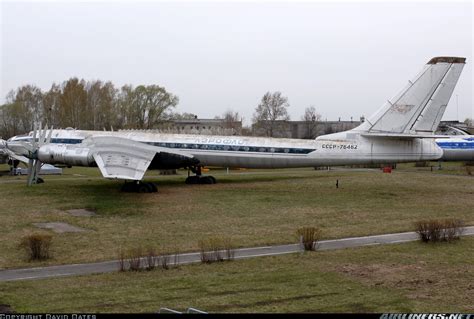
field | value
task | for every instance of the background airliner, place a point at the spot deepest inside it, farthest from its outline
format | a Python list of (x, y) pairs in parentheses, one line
[(457, 148), (402, 130)]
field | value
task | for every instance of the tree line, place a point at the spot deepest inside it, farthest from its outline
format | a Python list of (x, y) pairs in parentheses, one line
[(98, 105), (88, 105)]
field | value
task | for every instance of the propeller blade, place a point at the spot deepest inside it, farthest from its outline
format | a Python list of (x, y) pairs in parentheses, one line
[(31, 163), (37, 168), (45, 134)]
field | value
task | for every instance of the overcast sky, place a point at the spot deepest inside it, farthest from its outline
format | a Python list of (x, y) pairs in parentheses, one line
[(346, 59)]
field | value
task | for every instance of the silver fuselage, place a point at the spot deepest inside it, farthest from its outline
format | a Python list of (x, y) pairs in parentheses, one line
[(344, 148)]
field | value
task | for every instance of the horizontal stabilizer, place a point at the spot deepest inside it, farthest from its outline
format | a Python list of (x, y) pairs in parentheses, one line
[(401, 136)]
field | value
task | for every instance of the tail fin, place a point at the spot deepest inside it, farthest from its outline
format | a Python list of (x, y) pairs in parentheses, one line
[(418, 108)]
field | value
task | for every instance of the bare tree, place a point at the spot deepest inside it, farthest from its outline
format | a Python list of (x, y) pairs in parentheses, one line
[(29, 98), (86, 105), (52, 105), (10, 120), (101, 105), (469, 122), (144, 107), (232, 120), (73, 110), (311, 117), (153, 102), (272, 108), (181, 116)]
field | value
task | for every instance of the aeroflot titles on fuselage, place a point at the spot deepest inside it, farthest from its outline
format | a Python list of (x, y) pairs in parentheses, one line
[(227, 144)]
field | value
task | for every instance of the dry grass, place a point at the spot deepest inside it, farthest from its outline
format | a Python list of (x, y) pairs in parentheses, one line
[(253, 208), (410, 277)]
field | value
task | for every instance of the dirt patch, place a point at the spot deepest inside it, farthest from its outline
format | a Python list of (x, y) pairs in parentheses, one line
[(377, 270), (81, 212), (420, 280), (59, 228)]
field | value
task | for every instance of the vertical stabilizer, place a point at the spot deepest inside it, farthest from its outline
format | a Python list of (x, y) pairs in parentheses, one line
[(419, 107)]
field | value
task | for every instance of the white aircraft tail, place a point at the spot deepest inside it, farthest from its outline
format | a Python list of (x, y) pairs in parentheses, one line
[(419, 107)]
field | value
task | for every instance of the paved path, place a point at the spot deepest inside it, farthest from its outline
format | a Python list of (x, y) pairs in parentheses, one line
[(182, 259)]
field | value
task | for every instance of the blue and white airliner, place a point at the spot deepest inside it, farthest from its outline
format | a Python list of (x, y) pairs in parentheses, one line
[(457, 148)]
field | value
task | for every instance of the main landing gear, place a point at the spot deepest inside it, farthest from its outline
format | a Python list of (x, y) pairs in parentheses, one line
[(139, 187), (198, 178)]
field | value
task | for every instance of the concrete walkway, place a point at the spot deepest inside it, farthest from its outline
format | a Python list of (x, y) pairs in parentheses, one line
[(182, 259)]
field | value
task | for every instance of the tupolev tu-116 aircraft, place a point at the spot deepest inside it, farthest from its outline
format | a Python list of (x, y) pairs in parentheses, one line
[(402, 130)]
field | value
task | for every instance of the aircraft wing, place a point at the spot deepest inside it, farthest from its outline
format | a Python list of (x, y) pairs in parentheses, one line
[(122, 158)]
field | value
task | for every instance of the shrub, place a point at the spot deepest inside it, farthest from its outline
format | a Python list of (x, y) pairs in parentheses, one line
[(37, 246), (151, 259), (439, 230), (121, 260), (176, 259), (216, 249), (164, 262), (309, 236), (453, 229), (135, 259), (229, 249)]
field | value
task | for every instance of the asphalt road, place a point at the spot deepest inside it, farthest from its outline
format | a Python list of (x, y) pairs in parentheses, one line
[(182, 259)]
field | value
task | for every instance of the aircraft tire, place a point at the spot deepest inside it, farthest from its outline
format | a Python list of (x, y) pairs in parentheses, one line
[(128, 187), (153, 188), (206, 180), (192, 180), (143, 188)]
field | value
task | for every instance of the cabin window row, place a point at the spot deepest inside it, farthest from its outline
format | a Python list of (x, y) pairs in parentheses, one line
[(235, 148), (457, 145)]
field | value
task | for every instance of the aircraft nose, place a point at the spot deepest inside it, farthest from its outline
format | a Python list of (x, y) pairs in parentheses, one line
[(439, 151)]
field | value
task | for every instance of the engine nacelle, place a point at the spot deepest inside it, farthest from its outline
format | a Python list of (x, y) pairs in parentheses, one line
[(72, 155)]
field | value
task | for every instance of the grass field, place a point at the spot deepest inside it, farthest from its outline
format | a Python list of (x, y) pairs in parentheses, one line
[(251, 207), (411, 277)]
